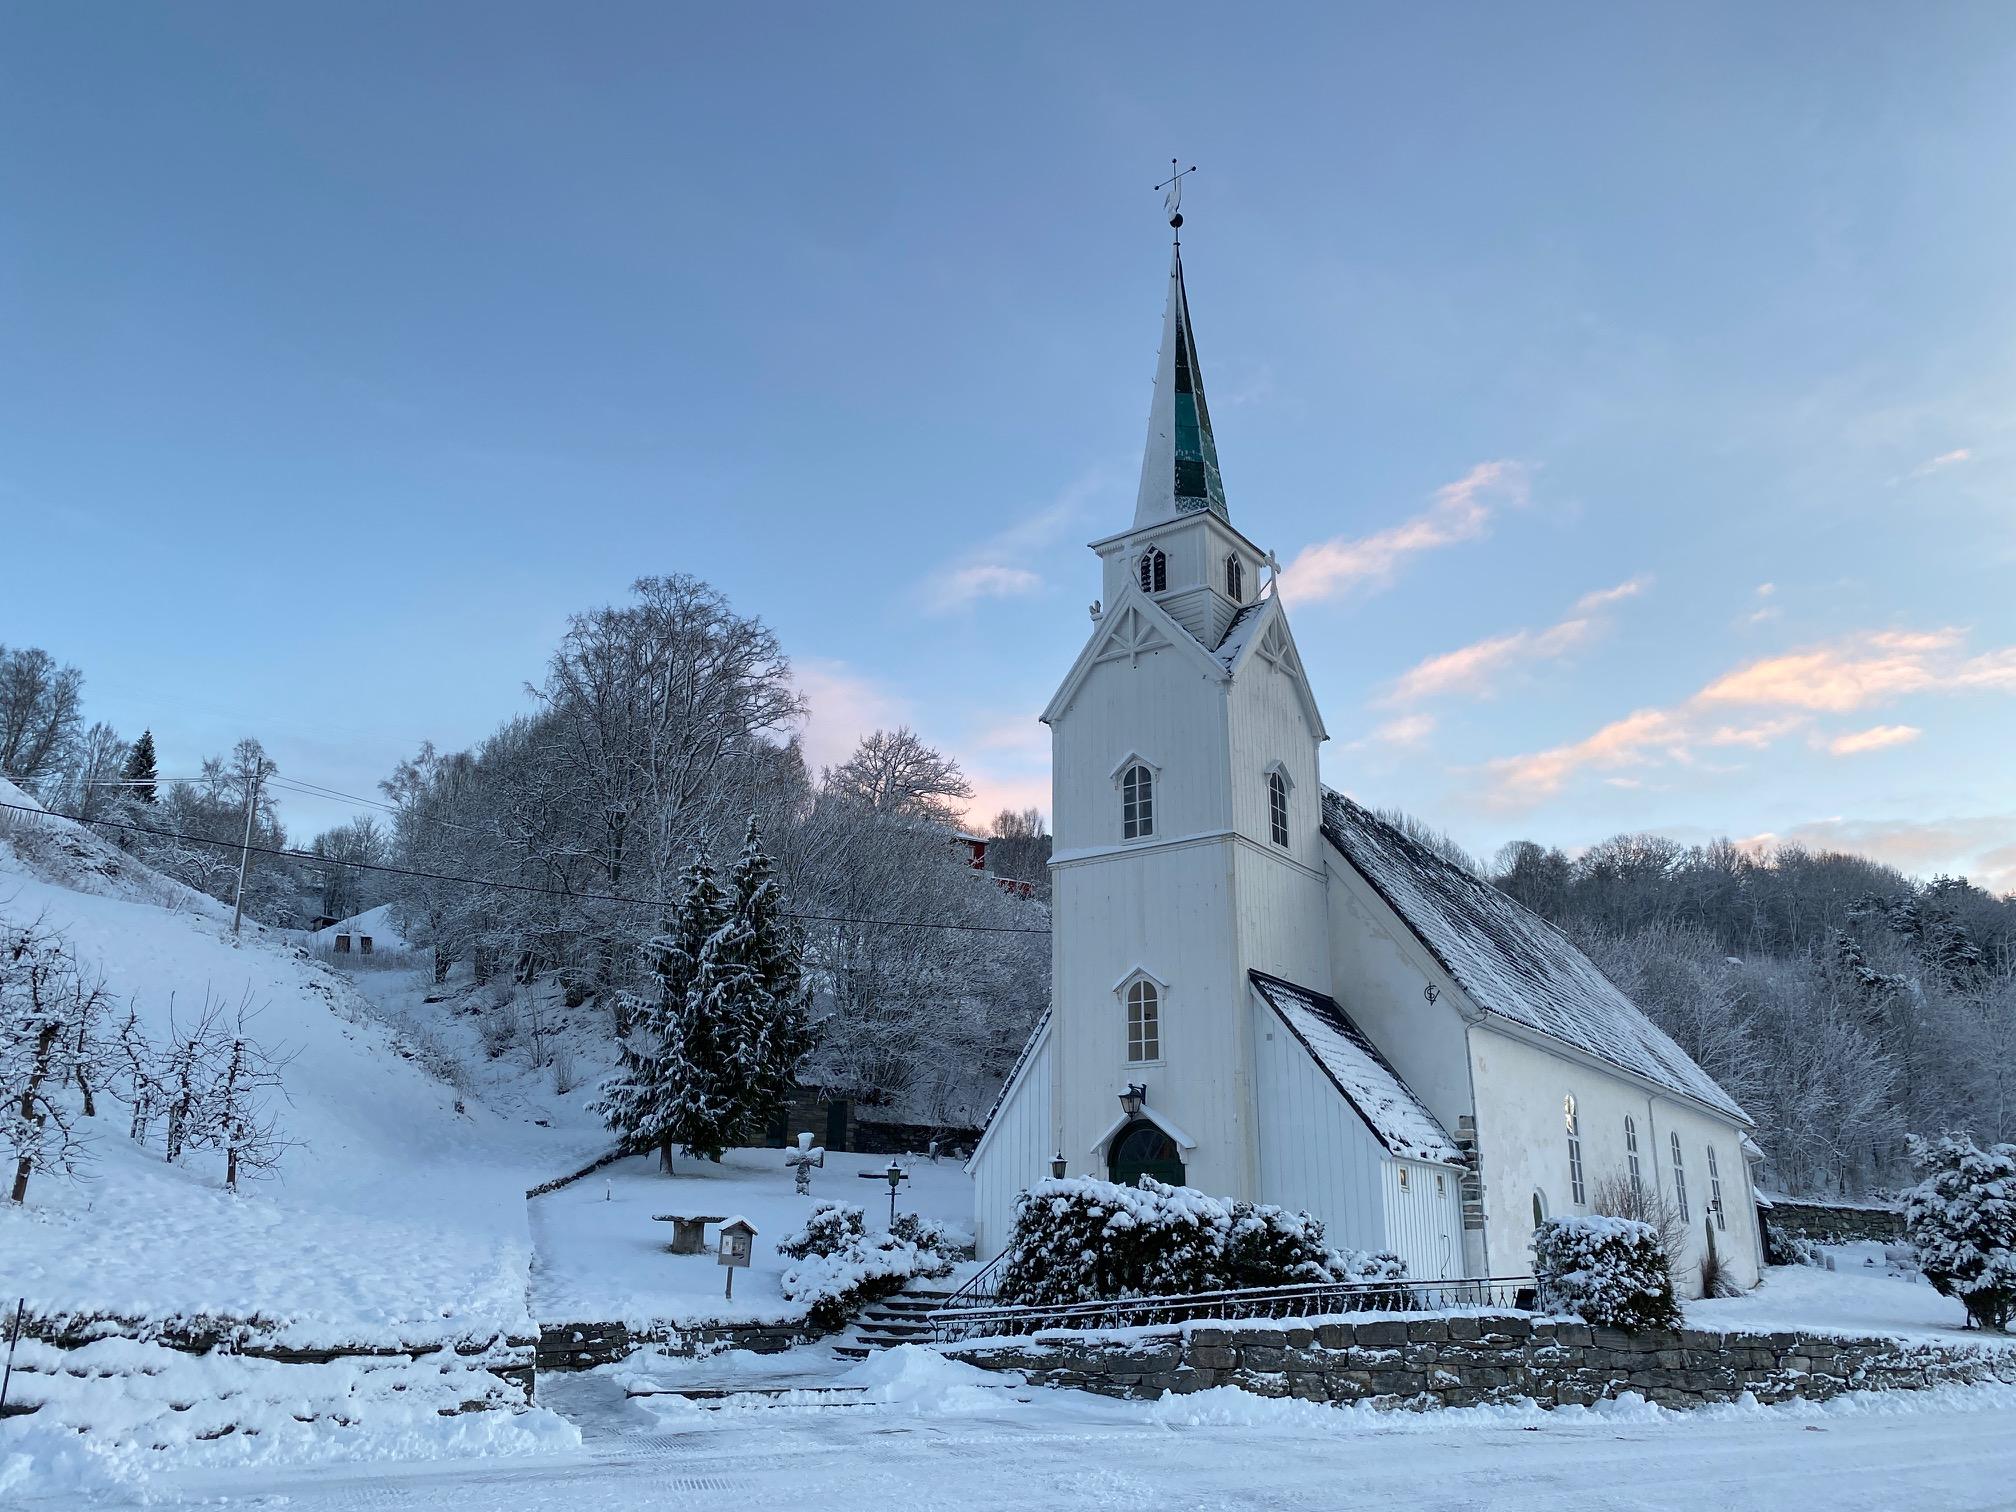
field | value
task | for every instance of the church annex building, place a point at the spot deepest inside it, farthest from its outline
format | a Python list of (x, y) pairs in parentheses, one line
[(1260, 989)]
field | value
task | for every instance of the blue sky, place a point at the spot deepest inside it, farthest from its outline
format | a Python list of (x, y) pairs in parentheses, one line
[(1632, 392)]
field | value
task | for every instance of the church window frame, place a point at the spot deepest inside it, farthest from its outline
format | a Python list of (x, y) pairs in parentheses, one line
[(1144, 999), (1279, 785), (1235, 578), (1137, 801), (1631, 1154), (1577, 1194), (1715, 1191), (1153, 571), (1680, 1180)]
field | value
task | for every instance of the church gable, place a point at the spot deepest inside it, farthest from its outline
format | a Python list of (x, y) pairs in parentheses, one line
[(1258, 644), (1134, 628)]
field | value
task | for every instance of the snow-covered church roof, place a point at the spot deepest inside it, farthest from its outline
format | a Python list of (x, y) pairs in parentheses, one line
[(1511, 962), (1399, 1119)]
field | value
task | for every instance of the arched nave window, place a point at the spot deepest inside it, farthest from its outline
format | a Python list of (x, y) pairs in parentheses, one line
[(1680, 1181), (1277, 807), (1144, 1022), (1137, 802), (1631, 1152), (1575, 1193), (1154, 570), (1715, 1190)]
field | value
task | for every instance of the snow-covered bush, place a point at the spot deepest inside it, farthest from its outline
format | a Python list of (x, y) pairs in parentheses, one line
[(831, 1228), (1962, 1218), (1079, 1240), (841, 1267), (1610, 1271), (1790, 1246)]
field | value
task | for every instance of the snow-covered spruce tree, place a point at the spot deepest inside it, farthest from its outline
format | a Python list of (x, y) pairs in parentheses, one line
[(140, 769), (1610, 1271), (1962, 1218), (654, 1099), (754, 964), (234, 1114), (45, 1009)]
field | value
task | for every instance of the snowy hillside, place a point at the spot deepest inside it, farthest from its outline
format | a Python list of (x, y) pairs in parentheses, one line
[(397, 1217)]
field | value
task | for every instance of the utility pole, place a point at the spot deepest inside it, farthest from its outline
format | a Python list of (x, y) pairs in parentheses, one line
[(245, 850)]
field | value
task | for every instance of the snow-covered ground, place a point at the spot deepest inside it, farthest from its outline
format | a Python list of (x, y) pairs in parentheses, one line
[(924, 1433), (1863, 1295), (601, 1256), (394, 1218)]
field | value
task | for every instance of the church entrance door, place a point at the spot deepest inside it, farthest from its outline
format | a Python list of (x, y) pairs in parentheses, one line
[(1141, 1149)]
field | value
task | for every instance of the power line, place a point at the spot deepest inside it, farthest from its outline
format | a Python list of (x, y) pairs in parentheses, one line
[(517, 887)]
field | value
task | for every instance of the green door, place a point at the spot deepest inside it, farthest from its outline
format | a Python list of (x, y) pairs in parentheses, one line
[(1142, 1149)]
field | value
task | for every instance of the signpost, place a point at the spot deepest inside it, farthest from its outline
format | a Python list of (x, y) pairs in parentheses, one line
[(737, 1235)]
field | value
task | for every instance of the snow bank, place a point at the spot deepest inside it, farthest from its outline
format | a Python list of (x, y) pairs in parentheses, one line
[(923, 1381), (119, 1410)]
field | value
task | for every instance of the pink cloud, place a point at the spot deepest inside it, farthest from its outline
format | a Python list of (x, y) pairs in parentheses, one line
[(1461, 511), (1875, 738), (1477, 668)]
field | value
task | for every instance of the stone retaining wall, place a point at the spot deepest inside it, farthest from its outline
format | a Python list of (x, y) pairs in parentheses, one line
[(580, 1346), (1829, 1223), (1466, 1360)]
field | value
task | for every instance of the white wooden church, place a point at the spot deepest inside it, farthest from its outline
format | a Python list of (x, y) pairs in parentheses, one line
[(1260, 989)]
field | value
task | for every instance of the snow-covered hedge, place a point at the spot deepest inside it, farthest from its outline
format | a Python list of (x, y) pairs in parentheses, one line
[(842, 1267), (1962, 1218), (1079, 1240), (1610, 1271)]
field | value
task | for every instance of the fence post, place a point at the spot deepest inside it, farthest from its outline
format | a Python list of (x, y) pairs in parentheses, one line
[(7, 1380)]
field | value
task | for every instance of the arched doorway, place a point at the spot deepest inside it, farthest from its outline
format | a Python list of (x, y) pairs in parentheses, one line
[(1142, 1149)]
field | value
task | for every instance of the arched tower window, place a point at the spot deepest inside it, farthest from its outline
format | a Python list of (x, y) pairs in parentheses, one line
[(1154, 570), (1144, 1022), (1680, 1181), (1631, 1152), (1137, 803), (1235, 579), (1277, 807), (1575, 1191)]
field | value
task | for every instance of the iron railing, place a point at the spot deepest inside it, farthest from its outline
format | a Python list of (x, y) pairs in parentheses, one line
[(952, 1323)]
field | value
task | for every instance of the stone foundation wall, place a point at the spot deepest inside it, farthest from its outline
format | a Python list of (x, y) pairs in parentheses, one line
[(1469, 1360), (579, 1346)]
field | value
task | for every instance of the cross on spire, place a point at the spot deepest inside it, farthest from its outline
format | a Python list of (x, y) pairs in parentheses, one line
[(1172, 201)]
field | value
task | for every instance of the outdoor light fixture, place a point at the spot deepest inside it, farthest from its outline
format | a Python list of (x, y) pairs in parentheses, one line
[(1132, 1098), (1057, 1164)]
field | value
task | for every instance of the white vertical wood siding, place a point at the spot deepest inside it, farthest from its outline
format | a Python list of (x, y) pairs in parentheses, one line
[(1315, 1152), (1424, 1226), (1014, 1152)]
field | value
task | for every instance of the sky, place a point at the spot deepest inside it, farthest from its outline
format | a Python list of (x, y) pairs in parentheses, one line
[(1629, 392)]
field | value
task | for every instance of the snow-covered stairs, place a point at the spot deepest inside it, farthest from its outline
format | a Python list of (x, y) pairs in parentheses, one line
[(901, 1319)]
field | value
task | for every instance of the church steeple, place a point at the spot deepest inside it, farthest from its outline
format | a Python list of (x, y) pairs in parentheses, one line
[(1179, 469)]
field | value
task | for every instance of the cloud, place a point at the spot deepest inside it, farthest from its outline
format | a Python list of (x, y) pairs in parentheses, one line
[(1765, 610), (1790, 691), (1461, 511), (1952, 458), (1477, 668), (1875, 738), (844, 706), (1407, 730), (1004, 566)]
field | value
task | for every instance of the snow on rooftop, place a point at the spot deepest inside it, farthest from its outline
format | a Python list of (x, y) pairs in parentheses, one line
[(1511, 962), (1400, 1120), (1238, 633)]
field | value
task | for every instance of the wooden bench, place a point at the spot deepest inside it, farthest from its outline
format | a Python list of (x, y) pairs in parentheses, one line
[(689, 1230)]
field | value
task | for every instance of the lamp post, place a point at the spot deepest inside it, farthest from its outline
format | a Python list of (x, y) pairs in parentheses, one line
[(895, 1176), (1132, 1099), (1057, 1164)]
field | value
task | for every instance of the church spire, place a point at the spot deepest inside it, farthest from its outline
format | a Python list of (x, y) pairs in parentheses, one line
[(1179, 471)]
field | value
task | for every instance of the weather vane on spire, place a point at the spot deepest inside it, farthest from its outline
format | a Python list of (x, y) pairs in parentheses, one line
[(1173, 200)]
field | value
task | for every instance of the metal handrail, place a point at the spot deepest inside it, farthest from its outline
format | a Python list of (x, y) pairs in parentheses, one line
[(1504, 1293), (973, 1288)]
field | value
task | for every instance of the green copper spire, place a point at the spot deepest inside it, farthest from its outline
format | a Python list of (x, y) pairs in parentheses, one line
[(1179, 471)]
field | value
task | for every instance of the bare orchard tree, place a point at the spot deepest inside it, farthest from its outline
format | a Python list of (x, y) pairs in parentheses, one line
[(895, 774), (234, 1112), (194, 1047), (49, 1010)]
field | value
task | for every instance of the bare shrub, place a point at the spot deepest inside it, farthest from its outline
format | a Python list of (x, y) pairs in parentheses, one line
[(1618, 1196)]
